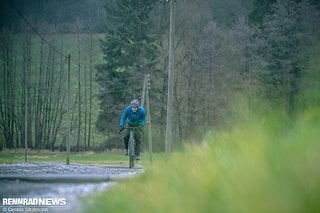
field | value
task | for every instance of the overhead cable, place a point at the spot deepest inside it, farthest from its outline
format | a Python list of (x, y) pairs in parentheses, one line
[(35, 31)]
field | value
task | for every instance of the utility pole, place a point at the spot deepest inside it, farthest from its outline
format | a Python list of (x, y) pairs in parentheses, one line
[(170, 81), (145, 98), (26, 123), (143, 90), (68, 112), (149, 118)]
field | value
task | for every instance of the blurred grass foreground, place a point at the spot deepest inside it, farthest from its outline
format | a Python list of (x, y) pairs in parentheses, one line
[(266, 166)]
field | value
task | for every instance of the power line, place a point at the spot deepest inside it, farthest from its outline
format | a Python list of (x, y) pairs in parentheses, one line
[(36, 32)]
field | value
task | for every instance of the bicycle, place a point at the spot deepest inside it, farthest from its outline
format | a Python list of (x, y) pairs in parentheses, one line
[(131, 144)]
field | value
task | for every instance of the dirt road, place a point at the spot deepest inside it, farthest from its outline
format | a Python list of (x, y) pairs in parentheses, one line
[(56, 180)]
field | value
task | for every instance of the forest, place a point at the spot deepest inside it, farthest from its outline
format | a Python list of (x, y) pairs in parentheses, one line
[(263, 52)]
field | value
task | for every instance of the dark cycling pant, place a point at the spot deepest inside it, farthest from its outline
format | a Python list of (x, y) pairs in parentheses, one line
[(137, 138)]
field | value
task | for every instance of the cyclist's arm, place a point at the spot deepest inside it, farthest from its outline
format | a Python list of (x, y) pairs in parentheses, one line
[(124, 117)]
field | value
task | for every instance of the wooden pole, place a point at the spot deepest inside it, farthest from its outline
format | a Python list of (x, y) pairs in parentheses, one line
[(170, 81), (26, 124), (68, 112), (149, 118), (143, 91)]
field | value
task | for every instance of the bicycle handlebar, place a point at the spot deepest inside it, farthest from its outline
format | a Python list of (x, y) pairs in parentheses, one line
[(132, 128)]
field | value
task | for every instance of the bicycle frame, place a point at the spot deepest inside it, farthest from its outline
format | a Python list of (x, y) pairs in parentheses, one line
[(131, 145)]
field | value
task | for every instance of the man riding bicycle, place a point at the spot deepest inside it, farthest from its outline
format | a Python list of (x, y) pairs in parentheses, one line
[(133, 115)]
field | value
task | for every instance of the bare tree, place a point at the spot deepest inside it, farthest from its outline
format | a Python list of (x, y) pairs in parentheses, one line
[(7, 98), (287, 34)]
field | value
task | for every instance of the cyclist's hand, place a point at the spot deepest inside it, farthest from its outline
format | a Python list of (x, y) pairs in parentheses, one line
[(120, 130)]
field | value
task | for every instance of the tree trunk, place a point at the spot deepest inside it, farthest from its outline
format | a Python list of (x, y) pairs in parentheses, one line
[(7, 103)]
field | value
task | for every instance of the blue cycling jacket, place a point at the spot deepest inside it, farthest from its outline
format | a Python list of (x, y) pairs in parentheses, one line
[(133, 118)]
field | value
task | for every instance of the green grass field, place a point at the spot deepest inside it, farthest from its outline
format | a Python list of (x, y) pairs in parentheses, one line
[(261, 165), (112, 158)]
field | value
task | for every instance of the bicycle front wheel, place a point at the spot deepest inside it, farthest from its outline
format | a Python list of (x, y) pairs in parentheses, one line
[(131, 152)]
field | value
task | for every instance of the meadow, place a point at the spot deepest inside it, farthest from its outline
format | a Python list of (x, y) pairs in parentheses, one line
[(115, 157)]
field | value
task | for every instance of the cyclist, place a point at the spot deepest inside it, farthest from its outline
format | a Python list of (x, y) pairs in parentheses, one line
[(133, 115)]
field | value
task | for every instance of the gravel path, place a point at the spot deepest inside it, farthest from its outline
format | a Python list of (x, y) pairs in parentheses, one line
[(57, 180)]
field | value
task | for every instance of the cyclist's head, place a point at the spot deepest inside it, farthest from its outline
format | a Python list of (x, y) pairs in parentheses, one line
[(134, 103)]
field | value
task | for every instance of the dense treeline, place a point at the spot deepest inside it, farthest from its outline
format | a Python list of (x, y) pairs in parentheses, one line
[(57, 15), (225, 49)]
